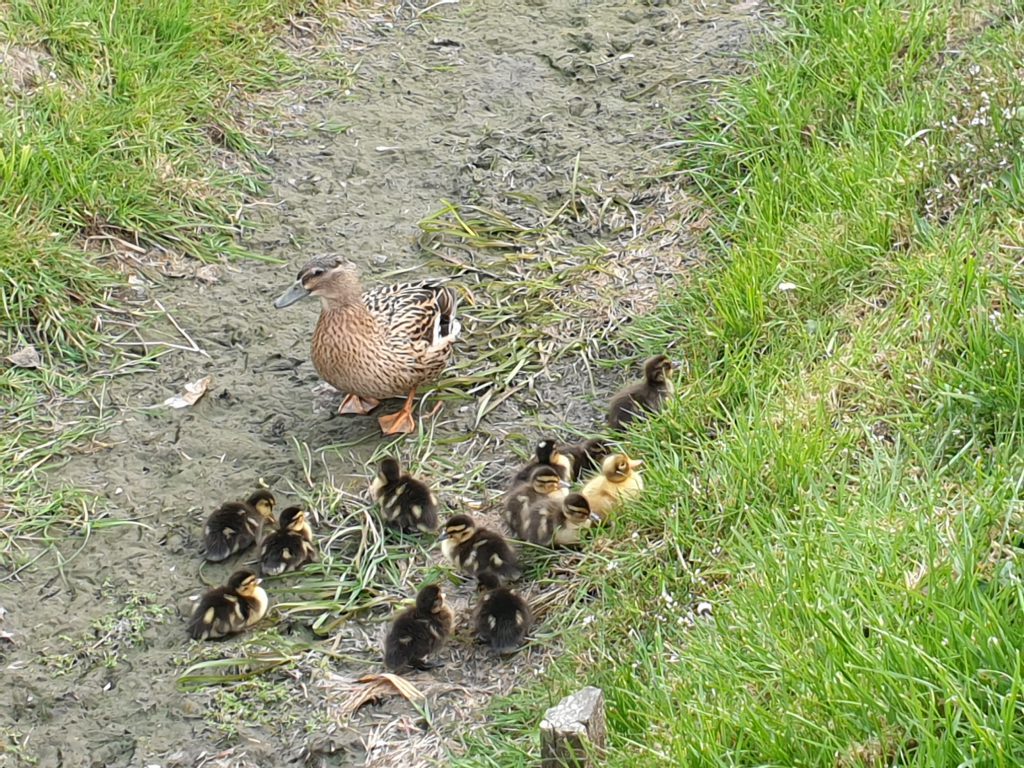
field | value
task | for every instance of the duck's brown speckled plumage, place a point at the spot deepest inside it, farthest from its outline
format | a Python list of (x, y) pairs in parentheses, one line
[(377, 344), (389, 341)]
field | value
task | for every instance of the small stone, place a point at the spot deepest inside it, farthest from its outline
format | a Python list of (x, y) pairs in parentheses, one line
[(573, 733), (26, 357)]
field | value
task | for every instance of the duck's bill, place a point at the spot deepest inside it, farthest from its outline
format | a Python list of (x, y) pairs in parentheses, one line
[(289, 297), (636, 463), (595, 518)]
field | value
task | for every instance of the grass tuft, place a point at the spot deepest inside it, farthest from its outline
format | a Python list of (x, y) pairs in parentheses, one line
[(839, 476)]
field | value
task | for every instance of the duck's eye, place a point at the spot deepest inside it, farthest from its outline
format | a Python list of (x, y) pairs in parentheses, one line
[(316, 272)]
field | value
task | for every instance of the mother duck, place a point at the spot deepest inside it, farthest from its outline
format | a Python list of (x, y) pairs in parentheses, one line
[(380, 343)]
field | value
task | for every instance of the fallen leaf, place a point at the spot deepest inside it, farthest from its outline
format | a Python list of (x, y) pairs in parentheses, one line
[(376, 687), (26, 357), (193, 391)]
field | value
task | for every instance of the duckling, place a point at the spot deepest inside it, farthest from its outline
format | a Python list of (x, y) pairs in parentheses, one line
[(532, 507), (230, 609), (503, 618), (289, 547), (381, 343), (546, 456), (405, 502), (476, 550), (586, 456), (235, 525), (419, 631), (617, 482), (645, 396), (574, 517)]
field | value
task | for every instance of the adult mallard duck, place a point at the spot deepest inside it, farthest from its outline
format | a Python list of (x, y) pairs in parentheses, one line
[(381, 343)]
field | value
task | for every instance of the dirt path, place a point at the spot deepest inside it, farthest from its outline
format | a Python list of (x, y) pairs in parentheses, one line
[(539, 120)]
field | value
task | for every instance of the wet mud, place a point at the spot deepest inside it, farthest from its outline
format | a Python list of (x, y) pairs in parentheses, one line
[(550, 122)]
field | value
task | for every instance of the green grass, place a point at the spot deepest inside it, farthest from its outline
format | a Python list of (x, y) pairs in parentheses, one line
[(129, 126), (840, 476)]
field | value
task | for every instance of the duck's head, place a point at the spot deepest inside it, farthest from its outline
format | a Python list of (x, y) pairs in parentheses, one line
[(618, 467), (545, 480), (430, 599), (389, 471), (292, 519), (658, 370), (458, 528), (332, 279), (263, 501), (577, 509), (545, 450), (244, 582)]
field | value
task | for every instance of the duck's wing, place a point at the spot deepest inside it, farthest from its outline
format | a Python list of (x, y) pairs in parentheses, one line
[(420, 312)]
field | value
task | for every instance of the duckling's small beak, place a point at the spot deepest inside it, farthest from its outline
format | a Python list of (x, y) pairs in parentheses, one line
[(565, 485), (290, 296), (635, 463), (258, 582), (443, 536), (595, 518)]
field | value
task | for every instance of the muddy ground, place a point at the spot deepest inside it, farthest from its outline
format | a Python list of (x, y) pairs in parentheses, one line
[(543, 124)]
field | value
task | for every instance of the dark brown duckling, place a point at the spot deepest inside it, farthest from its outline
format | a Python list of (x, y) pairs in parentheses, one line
[(573, 518), (547, 455), (503, 618), (586, 456), (406, 503), (289, 547), (419, 631), (645, 396), (533, 507), (476, 550), (230, 609), (235, 526)]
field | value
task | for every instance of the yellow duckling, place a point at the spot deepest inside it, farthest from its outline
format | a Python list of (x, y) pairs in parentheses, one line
[(502, 617), (381, 343), (618, 482), (533, 507), (645, 396), (419, 631), (230, 609), (405, 502), (476, 550), (547, 455), (289, 547), (575, 515), (234, 526)]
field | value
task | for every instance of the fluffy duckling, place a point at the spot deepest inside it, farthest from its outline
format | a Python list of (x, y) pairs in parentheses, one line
[(586, 456), (547, 455), (419, 631), (617, 482), (406, 503), (533, 506), (574, 517), (235, 525), (644, 396), (503, 618), (230, 609), (289, 547), (476, 550)]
